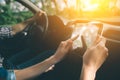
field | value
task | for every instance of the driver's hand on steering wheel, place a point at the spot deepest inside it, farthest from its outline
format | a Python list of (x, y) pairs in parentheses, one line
[(38, 17)]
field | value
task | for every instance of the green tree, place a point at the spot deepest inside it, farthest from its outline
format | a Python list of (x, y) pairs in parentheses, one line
[(10, 17)]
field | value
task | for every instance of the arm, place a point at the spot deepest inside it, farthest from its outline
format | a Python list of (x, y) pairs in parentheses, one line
[(21, 26), (35, 70), (93, 59), (63, 49)]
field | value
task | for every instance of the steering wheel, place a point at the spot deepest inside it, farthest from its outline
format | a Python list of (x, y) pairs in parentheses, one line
[(42, 27), (46, 24), (39, 26)]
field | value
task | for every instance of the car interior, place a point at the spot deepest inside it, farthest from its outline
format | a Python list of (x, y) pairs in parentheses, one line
[(42, 40)]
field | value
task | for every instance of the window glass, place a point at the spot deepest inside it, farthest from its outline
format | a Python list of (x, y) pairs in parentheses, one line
[(12, 12)]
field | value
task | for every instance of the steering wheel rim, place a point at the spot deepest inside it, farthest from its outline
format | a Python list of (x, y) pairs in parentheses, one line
[(34, 10), (46, 27), (46, 24)]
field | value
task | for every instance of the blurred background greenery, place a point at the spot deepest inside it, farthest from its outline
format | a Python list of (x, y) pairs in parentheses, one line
[(12, 12)]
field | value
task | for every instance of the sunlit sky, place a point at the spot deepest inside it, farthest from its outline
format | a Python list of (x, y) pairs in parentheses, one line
[(86, 4)]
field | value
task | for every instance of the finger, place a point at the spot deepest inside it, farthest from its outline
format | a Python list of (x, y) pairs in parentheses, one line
[(69, 42), (103, 41), (63, 44), (69, 46), (75, 37), (97, 40), (83, 43), (39, 13), (36, 15)]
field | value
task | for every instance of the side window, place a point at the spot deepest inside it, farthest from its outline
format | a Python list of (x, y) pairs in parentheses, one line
[(12, 12)]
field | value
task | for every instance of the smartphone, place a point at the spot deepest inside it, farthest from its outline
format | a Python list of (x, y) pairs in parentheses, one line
[(100, 27), (77, 43), (89, 32)]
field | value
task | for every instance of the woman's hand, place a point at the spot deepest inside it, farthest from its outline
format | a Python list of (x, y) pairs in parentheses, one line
[(96, 54), (93, 59), (63, 49)]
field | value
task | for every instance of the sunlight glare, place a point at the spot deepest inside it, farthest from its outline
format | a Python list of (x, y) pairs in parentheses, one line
[(89, 5)]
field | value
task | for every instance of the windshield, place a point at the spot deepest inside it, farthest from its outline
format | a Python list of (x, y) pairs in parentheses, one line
[(12, 12), (81, 8)]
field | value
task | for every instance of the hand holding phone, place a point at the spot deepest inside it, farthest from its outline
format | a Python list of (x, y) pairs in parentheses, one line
[(89, 32)]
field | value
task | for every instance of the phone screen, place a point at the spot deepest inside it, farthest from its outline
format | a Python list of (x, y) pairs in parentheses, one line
[(89, 31)]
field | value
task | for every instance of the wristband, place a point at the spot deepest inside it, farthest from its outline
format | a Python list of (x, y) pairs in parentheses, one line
[(5, 31)]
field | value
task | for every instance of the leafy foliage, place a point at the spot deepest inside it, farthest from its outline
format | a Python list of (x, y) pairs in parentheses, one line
[(8, 16)]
